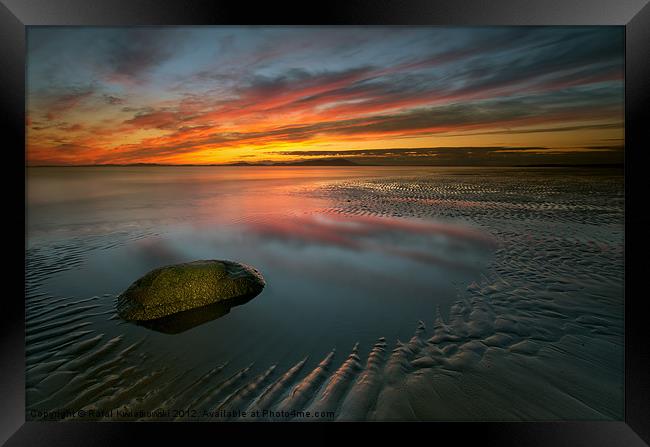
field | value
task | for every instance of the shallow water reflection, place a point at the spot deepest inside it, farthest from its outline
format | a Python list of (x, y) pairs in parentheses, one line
[(183, 321), (450, 245)]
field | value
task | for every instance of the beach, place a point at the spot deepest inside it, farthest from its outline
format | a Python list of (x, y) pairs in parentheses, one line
[(392, 293)]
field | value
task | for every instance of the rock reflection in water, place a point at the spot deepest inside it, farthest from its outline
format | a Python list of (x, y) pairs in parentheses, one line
[(186, 320)]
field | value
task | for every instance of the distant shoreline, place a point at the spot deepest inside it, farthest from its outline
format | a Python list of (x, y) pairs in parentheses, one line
[(156, 165)]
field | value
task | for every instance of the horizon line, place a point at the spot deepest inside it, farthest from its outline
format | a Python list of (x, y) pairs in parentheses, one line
[(352, 164)]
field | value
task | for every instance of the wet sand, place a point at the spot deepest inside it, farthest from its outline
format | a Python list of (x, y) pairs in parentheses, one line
[(393, 293)]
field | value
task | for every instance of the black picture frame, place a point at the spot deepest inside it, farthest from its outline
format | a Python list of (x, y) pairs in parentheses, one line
[(16, 15)]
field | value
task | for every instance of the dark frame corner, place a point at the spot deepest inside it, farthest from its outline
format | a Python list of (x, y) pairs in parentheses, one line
[(16, 15)]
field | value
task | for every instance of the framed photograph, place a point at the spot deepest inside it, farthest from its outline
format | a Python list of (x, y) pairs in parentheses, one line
[(407, 212)]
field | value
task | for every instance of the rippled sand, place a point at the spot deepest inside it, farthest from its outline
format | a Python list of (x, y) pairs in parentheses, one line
[(530, 329)]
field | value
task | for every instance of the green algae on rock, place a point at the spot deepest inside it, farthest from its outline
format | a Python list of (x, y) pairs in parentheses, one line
[(176, 288)]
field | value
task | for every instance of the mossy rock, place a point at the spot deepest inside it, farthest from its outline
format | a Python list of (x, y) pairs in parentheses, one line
[(177, 288)]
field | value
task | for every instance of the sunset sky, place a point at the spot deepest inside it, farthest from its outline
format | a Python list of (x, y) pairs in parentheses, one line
[(376, 95)]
